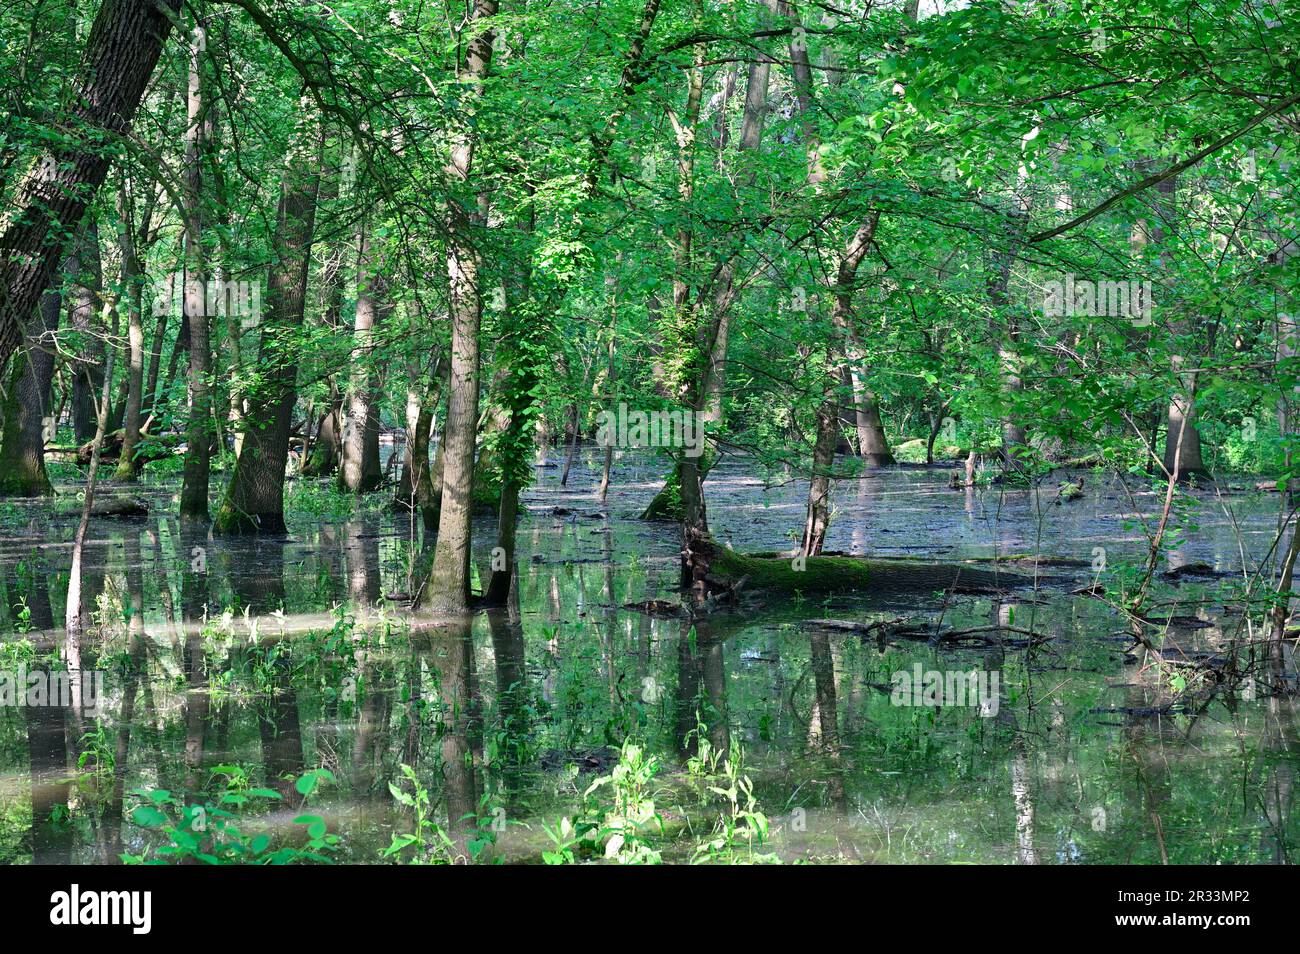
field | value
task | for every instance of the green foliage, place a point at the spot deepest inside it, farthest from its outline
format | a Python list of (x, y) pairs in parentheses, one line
[(217, 831)]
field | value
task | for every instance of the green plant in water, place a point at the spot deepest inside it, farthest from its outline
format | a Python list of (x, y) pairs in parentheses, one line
[(619, 823), (704, 763), (566, 841), (98, 751), (214, 832), (431, 844), (741, 829)]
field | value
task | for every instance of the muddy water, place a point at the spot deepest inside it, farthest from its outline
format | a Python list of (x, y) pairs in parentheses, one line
[(283, 655)]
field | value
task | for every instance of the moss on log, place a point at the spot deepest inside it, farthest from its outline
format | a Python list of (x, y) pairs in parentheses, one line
[(847, 574), (667, 503)]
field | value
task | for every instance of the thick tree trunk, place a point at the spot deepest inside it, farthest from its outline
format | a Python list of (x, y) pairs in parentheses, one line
[(1185, 459), (324, 458), (123, 47), (254, 501), (872, 443), (27, 415)]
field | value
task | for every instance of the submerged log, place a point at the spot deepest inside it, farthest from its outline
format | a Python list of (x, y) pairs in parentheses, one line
[(119, 506), (1068, 491), (849, 574)]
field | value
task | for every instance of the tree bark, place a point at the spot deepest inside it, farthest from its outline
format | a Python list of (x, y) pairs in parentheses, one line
[(125, 42), (84, 319), (447, 591), (128, 467), (324, 457), (27, 415), (198, 434), (359, 470), (254, 501)]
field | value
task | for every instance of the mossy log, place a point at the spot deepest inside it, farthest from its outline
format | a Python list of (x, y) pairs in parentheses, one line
[(150, 448), (848, 574), (667, 503)]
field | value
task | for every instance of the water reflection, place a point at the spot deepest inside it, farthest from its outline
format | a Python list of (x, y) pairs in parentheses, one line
[(242, 652)]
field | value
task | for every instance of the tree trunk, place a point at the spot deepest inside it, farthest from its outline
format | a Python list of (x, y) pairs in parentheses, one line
[(254, 501), (162, 312), (84, 319), (1182, 431), (73, 617), (359, 470), (828, 431), (325, 449), (128, 468), (27, 417), (123, 47), (404, 495), (447, 591), (198, 434)]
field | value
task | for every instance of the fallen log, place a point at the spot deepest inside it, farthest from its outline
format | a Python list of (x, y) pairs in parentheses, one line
[(149, 448), (848, 574), (119, 506)]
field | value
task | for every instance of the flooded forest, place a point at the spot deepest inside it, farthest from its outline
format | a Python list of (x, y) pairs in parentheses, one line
[(561, 432)]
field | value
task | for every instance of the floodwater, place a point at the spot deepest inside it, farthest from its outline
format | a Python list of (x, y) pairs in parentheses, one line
[(285, 655)]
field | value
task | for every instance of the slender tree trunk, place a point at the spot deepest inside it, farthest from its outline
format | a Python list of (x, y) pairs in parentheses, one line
[(359, 470), (162, 312), (423, 480), (425, 496), (1288, 403), (574, 429), (1182, 456), (84, 319), (404, 495), (611, 370), (128, 468), (447, 591), (73, 617), (828, 430), (198, 434), (827, 426), (1014, 434)]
